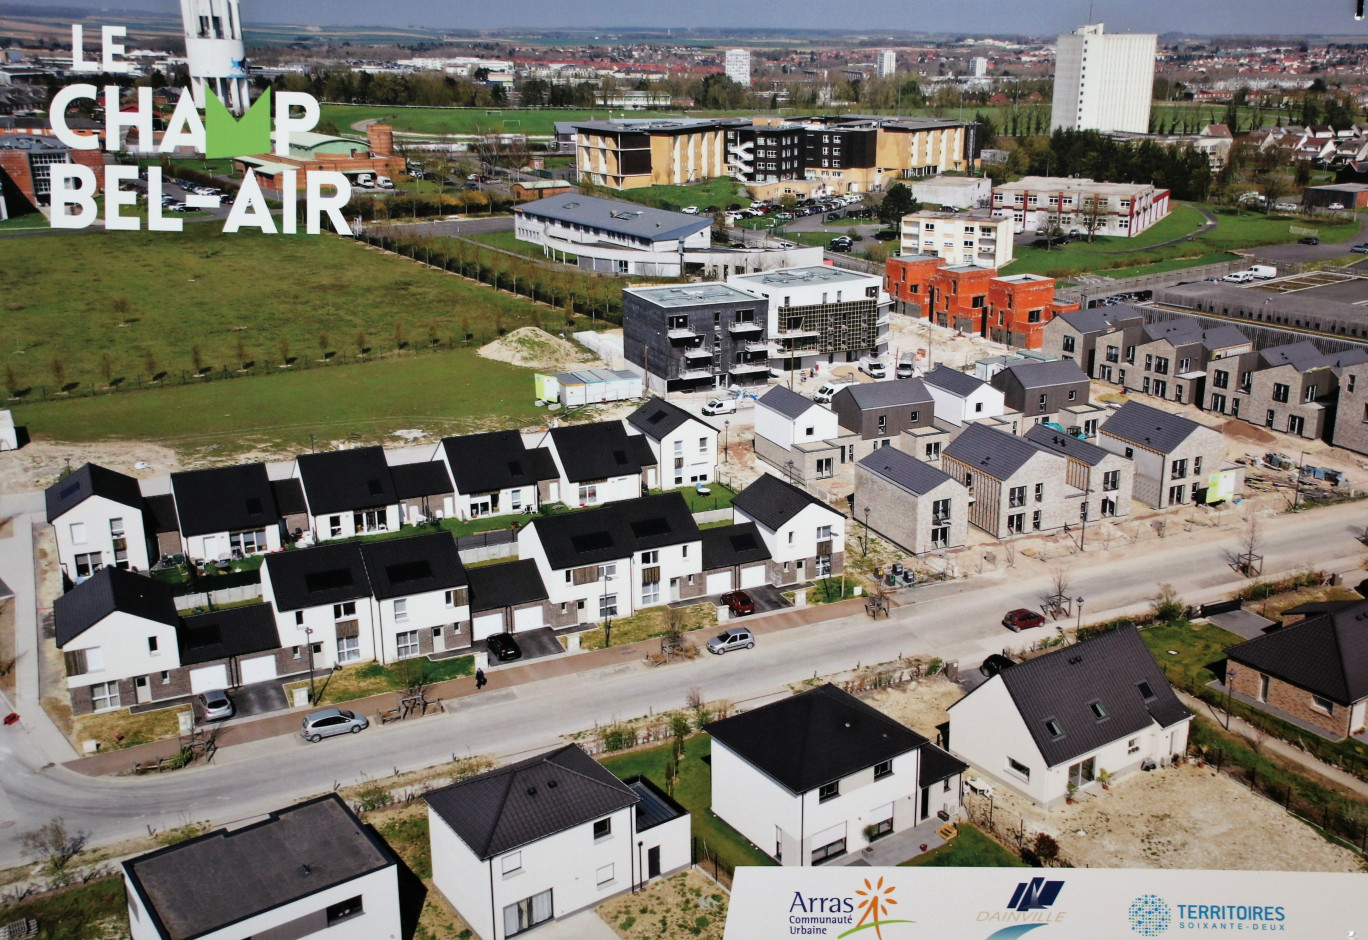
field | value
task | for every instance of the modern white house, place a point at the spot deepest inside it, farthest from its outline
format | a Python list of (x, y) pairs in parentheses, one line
[(684, 446), (598, 463), (961, 397), (226, 512), (97, 516), (547, 836), (419, 594), (322, 600), (820, 774), (805, 536), (349, 493), (495, 474), (312, 870), (611, 235), (1055, 722)]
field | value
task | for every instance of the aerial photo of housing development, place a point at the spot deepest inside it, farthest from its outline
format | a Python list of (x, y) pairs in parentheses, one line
[(683, 472)]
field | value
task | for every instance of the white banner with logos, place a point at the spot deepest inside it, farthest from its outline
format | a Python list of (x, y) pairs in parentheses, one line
[(1049, 904)]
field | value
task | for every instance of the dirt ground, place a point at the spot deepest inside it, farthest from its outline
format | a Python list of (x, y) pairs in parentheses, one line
[(533, 348), (684, 906)]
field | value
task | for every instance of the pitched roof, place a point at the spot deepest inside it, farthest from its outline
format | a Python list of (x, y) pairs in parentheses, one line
[(324, 574), (954, 381), (1066, 444), (771, 501), (1148, 427), (159, 514), (425, 478), (198, 887), (595, 451), (904, 470), (989, 450), (894, 394), (496, 460), (1327, 653), (224, 499), (615, 530), (517, 805), (506, 584), (91, 480), (1107, 670), (1035, 374), (788, 403), (236, 631), (289, 497), (659, 417), (814, 737), (413, 565), (346, 480), (726, 546), (109, 590)]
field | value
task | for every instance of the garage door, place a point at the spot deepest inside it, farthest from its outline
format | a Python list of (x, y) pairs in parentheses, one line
[(720, 582), (208, 677), (486, 625), (261, 669), (753, 576), (529, 618)]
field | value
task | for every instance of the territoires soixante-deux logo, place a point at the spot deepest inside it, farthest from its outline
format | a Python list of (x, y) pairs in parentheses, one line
[(218, 135), (1150, 916), (823, 916), (1028, 909)]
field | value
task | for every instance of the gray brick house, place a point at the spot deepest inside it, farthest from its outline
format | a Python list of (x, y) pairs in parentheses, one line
[(911, 503), (1018, 488), (1177, 460)]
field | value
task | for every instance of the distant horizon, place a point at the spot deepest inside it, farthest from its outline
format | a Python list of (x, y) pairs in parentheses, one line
[(1271, 19)]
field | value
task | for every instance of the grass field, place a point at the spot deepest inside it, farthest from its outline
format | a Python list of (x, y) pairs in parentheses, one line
[(147, 300)]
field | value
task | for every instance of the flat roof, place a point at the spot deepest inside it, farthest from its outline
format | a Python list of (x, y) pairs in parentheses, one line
[(797, 277), (691, 295)]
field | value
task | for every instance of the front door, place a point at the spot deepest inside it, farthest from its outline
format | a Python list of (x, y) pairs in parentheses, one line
[(144, 691), (653, 862)]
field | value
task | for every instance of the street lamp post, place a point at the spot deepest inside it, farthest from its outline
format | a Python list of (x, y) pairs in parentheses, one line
[(1078, 624), (864, 548), (308, 638), (726, 440)]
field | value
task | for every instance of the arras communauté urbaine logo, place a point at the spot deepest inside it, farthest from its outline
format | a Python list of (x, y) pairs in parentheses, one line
[(1150, 915)]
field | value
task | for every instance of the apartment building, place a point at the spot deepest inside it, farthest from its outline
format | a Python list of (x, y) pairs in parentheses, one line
[(1071, 204)]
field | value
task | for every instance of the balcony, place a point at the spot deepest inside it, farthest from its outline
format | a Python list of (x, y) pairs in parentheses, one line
[(744, 326)]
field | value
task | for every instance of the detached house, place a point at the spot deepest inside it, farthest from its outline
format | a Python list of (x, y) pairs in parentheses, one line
[(1017, 488), (805, 537), (799, 437), (349, 492), (684, 447), (420, 594), (547, 836), (598, 463), (97, 516), (1105, 478), (496, 474), (1314, 671), (1041, 390), (1062, 718), (321, 597), (819, 774), (226, 512), (1176, 459), (911, 503), (959, 397)]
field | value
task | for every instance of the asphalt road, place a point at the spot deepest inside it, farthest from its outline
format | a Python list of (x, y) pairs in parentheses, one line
[(957, 620)]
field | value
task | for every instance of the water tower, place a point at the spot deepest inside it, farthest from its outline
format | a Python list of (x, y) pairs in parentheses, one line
[(215, 52)]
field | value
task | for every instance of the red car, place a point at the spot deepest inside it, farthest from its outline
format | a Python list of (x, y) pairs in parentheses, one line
[(1022, 619), (739, 603)]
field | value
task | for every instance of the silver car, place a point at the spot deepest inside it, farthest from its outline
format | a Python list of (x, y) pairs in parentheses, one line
[(735, 638), (331, 721)]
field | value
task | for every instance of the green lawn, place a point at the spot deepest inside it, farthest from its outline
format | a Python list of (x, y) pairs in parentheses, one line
[(97, 909), (147, 300), (442, 393), (693, 791), (970, 849)]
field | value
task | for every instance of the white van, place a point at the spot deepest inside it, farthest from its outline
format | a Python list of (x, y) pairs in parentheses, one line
[(828, 391)]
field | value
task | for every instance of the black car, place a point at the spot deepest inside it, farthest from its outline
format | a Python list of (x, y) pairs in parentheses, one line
[(503, 647), (994, 664), (1308, 240)]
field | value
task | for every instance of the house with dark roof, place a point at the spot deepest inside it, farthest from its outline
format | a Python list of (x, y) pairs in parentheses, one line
[(1177, 461), (1096, 338), (349, 492), (1040, 390), (1055, 722), (1017, 488), (684, 446), (804, 535), (959, 397), (1106, 479), (1313, 671), (322, 599), (312, 870), (911, 503), (598, 463), (548, 836), (879, 412), (734, 556), (820, 774), (420, 595), (424, 490), (227, 512), (615, 559), (495, 473), (509, 597), (800, 438), (97, 516), (1172, 356)]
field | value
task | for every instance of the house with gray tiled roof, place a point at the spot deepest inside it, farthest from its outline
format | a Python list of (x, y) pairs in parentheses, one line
[(1017, 488), (1062, 718), (1177, 461)]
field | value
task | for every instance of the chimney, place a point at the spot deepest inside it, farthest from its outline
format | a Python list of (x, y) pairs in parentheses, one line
[(381, 139)]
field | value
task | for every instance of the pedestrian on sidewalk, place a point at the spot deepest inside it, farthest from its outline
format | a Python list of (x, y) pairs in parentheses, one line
[(480, 680)]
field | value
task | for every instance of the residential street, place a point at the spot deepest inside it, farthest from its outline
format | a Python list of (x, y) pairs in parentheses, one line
[(958, 620)]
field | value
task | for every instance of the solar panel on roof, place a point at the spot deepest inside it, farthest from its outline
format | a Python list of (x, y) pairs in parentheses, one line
[(330, 580), (591, 541)]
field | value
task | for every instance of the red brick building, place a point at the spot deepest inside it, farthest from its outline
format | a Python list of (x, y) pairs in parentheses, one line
[(26, 162), (1019, 306)]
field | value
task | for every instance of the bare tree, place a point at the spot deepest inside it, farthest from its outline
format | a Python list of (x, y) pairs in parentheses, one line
[(54, 846)]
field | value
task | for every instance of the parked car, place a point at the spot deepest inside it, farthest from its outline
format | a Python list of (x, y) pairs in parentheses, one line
[(1308, 240), (739, 603), (330, 722), (994, 664), (216, 705), (720, 406), (1022, 619), (734, 638), (503, 647)]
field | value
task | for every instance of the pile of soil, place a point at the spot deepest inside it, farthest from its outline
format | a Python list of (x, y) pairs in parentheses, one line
[(534, 348)]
